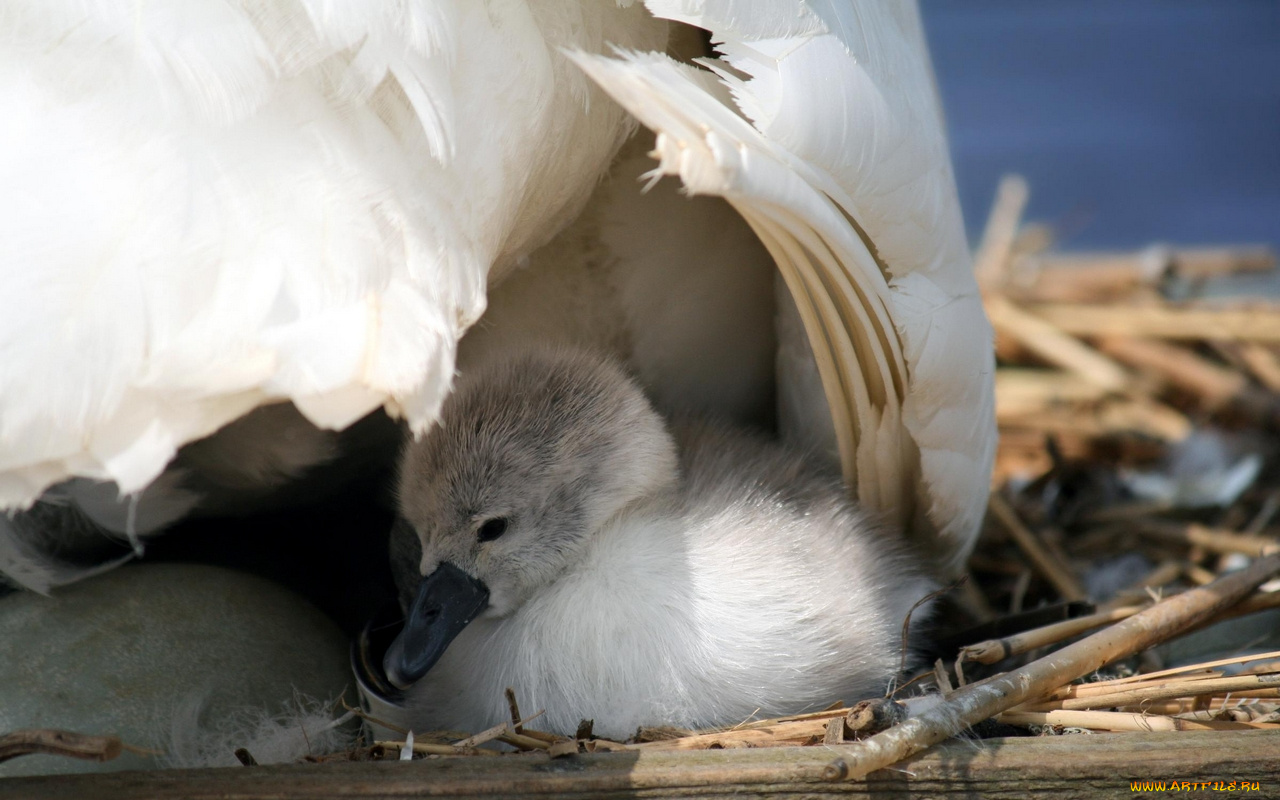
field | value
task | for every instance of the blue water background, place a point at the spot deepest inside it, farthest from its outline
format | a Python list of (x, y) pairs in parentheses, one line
[(1135, 121)]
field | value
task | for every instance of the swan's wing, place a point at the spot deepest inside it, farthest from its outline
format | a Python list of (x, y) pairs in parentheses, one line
[(209, 206), (823, 130)]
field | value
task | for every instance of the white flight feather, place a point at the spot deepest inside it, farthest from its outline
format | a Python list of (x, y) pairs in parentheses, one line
[(844, 130)]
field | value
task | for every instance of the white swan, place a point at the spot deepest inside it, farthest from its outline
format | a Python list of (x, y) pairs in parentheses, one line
[(306, 202), (570, 553), (212, 206)]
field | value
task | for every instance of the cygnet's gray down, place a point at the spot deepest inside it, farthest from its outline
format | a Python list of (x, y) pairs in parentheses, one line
[(572, 553)]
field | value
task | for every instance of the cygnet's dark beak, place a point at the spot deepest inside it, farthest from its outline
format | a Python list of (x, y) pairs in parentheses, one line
[(448, 599)]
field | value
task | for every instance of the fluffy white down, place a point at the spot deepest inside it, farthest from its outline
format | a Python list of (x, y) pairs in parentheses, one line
[(306, 727), (210, 205), (750, 585)]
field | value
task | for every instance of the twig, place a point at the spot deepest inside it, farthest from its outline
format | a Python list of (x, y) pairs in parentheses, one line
[(1122, 721), (991, 261), (1066, 584), (428, 748), (1055, 345), (59, 743), (1215, 385), (1213, 539), (1161, 322), (1169, 690), (514, 708), (994, 650), (982, 700), (1207, 665), (495, 732), (873, 716)]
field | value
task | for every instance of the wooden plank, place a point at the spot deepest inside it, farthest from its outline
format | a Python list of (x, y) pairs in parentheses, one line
[(1082, 766)]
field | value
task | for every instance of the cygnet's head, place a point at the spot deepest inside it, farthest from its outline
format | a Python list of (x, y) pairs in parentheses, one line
[(532, 455)]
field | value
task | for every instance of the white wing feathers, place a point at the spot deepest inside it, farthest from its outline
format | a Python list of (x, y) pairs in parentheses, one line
[(843, 173), (209, 206)]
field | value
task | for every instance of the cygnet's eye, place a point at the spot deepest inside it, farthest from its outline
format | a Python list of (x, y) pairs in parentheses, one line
[(492, 529)]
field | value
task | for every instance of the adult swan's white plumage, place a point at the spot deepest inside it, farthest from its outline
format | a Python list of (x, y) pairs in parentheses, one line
[(841, 167), (304, 199), (214, 205)]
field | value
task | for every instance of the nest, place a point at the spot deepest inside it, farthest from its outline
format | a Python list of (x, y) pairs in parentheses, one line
[(1134, 502), (1138, 417)]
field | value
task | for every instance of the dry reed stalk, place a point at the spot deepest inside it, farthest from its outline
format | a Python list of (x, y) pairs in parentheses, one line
[(1198, 574), (429, 749), (523, 741), (496, 732), (873, 716), (1213, 539), (1145, 416), (1113, 417), (1022, 392), (1029, 543), (827, 713), (514, 709), (976, 702), (777, 735), (1249, 712), (1160, 322), (1123, 721), (1261, 362), (1169, 690), (1055, 346), (994, 650), (59, 743), (1081, 277), (1191, 668), (991, 260), (1213, 384)]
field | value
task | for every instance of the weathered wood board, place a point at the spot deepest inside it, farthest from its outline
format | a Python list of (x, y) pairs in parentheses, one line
[(1069, 767)]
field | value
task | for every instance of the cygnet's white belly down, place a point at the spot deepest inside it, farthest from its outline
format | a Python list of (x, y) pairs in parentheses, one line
[(753, 588)]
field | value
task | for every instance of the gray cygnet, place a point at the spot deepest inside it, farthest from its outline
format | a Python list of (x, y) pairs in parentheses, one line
[(575, 549)]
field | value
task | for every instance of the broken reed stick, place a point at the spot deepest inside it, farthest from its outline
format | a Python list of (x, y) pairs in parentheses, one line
[(496, 732), (1080, 277), (1261, 362), (1022, 392), (780, 734), (827, 713), (59, 743), (1142, 415), (873, 716), (1169, 690), (995, 650), (1066, 584), (1214, 539), (1056, 347), (1184, 670), (1159, 322), (1213, 384), (991, 260), (429, 749), (1123, 721), (979, 701)]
